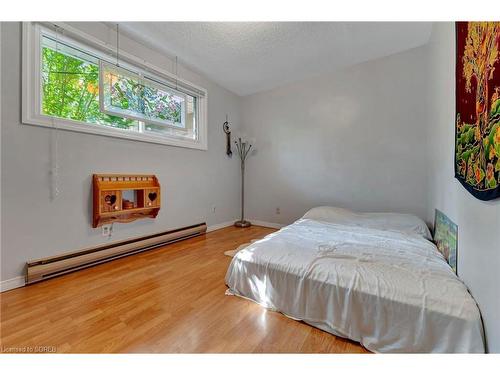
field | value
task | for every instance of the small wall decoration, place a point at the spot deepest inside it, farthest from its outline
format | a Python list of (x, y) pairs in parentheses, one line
[(227, 130), (477, 121), (124, 198), (446, 238)]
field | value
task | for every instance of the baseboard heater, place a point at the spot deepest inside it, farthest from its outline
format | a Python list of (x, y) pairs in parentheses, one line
[(46, 268)]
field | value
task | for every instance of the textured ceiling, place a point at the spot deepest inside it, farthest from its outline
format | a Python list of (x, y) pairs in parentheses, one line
[(248, 57)]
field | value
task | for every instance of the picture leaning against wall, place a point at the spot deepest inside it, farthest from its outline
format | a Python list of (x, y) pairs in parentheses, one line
[(446, 238), (477, 121)]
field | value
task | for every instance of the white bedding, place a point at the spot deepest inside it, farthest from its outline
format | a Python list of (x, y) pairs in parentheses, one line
[(357, 277)]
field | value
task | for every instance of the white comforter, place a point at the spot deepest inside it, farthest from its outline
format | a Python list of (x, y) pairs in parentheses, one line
[(390, 290)]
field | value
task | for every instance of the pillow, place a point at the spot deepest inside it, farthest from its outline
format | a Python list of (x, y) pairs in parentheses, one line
[(376, 220)]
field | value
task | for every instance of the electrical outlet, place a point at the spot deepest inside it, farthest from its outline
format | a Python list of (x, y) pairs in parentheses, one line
[(278, 211), (106, 230), (213, 209)]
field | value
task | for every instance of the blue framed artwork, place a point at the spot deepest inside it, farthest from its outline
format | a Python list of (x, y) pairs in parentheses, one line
[(446, 238)]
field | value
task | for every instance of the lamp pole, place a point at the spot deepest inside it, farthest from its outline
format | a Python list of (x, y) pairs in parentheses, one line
[(243, 148)]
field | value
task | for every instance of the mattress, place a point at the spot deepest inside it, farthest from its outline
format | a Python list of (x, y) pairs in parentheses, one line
[(372, 278)]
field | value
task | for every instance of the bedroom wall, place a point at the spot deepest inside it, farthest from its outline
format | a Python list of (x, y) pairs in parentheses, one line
[(478, 222), (35, 226), (355, 138)]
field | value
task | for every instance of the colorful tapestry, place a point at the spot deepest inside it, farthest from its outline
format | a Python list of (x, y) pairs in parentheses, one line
[(477, 141), (446, 238)]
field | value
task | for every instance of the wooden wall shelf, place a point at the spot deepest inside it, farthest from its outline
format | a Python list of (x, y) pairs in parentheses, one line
[(124, 198)]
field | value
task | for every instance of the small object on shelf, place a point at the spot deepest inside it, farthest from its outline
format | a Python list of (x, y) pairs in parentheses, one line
[(127, 205), (124, 198)]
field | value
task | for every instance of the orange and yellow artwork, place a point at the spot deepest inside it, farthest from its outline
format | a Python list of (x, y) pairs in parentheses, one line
[(477, 121)]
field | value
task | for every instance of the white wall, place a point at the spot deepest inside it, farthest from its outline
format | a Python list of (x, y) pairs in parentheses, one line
[(33, 226), (478, 222), (355, 138)]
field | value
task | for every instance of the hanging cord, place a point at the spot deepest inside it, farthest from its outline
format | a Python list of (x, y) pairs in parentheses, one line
[(117, 45), (176, 73), (54, 144)]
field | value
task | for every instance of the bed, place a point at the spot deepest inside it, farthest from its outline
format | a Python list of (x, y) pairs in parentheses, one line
[(371, 277)]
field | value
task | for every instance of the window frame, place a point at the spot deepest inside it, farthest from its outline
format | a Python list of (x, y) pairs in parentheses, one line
[(32, 87), (145, 80)]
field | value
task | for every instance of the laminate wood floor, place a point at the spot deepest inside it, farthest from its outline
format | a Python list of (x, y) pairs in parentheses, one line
[(167, 300)]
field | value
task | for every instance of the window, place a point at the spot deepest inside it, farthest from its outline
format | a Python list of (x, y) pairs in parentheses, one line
[(75, 84)]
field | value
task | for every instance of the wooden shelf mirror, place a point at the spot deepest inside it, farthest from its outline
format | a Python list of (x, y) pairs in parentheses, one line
[(124, 198)]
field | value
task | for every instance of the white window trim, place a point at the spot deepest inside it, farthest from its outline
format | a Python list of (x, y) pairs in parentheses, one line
[(31, 88)]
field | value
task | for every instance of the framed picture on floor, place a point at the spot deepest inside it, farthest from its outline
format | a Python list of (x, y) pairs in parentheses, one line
[(446, 238)]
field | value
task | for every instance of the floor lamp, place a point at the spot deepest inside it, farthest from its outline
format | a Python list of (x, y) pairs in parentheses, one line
[(243, 146)]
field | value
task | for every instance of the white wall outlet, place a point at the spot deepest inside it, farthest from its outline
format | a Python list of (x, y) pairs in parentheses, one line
[(214, 208), (278, 211), (106, 230)]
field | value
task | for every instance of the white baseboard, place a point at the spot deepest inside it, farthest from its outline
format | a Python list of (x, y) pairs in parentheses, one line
[(266, 224), (13, 283), (226, 224)]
